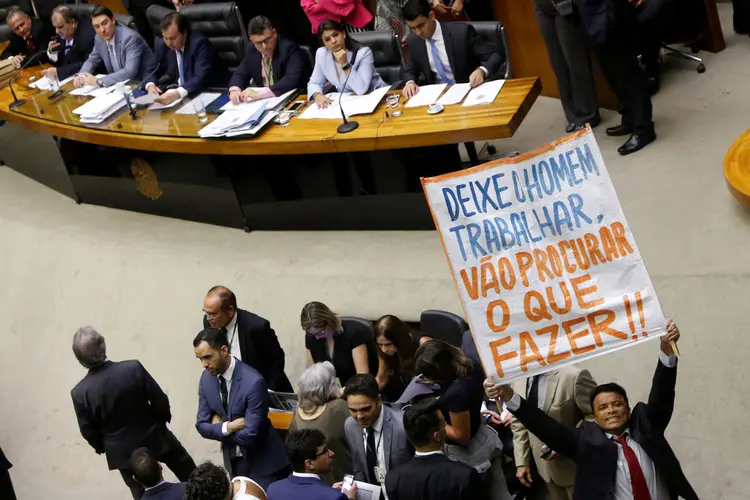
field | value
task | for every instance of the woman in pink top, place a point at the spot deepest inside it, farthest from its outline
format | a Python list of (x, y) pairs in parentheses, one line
[(350, 12)]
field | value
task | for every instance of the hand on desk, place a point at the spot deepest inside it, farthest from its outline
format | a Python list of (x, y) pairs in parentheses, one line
[(168, 97), (16, 61), (82, 79), (50, 73), (322, 101), (410, 90), (476, 78), (239, 96), (151, 88)]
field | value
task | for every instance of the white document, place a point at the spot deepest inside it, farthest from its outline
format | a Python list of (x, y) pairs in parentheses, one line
[(206, 97), (352, 104), (93, 91), (367, 491), (455, 94), (145, 99), (271, 102), (45, 83), (484, 94), (100, 108), (428, 94), (85, 90), (157, 106)]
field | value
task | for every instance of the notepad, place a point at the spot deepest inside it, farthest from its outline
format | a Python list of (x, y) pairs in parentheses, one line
[(484, 94), (455, 94), (428, 94), (352, 104)]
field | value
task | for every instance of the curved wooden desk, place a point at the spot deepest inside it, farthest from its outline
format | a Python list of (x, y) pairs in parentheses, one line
[(737, 169), (280, 421), (168, 132)]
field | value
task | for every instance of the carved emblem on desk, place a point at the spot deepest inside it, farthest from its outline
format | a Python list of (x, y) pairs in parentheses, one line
[(145, 179)]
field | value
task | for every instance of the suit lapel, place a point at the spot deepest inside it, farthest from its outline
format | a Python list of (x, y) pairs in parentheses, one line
[(450, 49), (387, 436), (550, 390), (421, 55), (236, 381)]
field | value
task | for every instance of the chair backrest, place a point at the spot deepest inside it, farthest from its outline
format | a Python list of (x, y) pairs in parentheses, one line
[(127, 21), (6, 5), (222, 24), (386, 51), (5, 33), (494, 32), (154, 15), (310, 54), (443, 325), (357, 323)]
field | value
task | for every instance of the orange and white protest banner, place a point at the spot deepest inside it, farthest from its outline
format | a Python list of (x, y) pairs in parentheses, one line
[(543, 258)]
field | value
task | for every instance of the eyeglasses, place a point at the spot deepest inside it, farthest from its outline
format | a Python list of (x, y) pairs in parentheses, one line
[(263, 42), (324, 452), (315, 331)]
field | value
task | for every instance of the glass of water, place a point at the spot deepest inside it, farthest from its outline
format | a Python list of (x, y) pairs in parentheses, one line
[(200, 111), (284, 116)]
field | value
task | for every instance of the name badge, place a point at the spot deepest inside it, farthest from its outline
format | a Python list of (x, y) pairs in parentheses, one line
[(380, 474)]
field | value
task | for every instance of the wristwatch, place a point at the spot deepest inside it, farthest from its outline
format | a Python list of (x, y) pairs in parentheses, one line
[(346, 66), (100, 82)]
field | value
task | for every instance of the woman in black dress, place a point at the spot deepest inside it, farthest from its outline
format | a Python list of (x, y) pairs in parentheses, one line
[(351, 350), (396, 348)]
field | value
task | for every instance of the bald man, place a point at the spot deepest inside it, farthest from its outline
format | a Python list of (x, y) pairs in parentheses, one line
[(251, 338)]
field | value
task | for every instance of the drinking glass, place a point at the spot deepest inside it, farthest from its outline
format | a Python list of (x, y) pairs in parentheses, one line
[(200, 110), (284, 116)]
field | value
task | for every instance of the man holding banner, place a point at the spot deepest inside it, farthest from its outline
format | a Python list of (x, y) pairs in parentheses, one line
[(623, 455)]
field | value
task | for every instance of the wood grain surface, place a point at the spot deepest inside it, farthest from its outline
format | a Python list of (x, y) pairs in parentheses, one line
[(166, 131)]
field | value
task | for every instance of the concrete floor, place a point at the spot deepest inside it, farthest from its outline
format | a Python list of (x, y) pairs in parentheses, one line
[(141, 280)]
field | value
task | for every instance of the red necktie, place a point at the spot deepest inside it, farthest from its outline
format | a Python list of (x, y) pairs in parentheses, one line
[(31, 45), (637, 480)]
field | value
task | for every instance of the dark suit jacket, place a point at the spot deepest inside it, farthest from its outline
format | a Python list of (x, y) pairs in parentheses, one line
[(4, 462), (165, 491), (262, 448), (70, 61), (291, 68), (466, 52), (307, 488), (198, 60), (433, 477), (606, 20), (596, 456), (260, 349), (41, 33), (120, 407)]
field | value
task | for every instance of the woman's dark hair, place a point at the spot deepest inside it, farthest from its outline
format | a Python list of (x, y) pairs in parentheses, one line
[(399, 334), (440, 362), (330, 24)]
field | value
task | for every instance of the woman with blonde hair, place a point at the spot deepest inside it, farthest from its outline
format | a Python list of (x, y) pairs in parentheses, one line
[(320, 407), (350, 350)]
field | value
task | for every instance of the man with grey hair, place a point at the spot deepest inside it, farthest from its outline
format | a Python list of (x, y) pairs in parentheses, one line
[(30, 36), (72, 45), (120, 407)]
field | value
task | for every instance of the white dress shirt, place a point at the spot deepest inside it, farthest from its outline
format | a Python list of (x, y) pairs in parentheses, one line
[(234, 338), (623, 489), (179, 55), (428, 453), (379, 452), (442, 52), (54, 55), (228, 377), (305, 474), (112, 50), (155, 486)]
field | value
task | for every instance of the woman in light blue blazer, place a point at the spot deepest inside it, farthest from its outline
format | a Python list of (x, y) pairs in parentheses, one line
[(333, 63)]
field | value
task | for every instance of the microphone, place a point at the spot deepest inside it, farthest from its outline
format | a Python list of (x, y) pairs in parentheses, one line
[(17, 103), (347, 126), (59, 40)]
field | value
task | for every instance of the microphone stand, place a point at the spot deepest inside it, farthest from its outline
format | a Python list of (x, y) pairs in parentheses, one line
[(17, 103), (347, 126)]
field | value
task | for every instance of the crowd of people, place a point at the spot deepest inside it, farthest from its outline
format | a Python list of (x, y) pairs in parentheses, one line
[(444, 431)]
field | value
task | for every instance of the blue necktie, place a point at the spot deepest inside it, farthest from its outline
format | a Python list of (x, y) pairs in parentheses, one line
[(181, 65), (439, 64)]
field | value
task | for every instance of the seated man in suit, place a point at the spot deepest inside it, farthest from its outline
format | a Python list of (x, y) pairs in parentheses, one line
[(183, 56), (76, 41), (233, 409), (251, 338), (310, 457), (29, 37), (273, 63), (624, 454), (123, 52), (147, 472), (564, 395), (445, 52), (430, 475), (375, 432)]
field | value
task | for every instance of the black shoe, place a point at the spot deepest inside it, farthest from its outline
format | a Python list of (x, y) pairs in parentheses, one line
[(652, 84), (571, 127), (619, 130), (594, 122), (578, 128), (636, 143)]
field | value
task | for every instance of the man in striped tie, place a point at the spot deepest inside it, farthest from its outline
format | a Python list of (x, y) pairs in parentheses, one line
[(623, 455), (29, 37)]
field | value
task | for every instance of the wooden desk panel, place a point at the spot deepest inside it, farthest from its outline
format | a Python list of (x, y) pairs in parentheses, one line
[(166, 131)]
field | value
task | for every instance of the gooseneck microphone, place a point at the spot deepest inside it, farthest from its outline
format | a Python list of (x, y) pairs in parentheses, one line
[(17, 103), (347, 126)]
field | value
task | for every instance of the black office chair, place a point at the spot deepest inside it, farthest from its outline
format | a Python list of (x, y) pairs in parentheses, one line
[(686, 28), (6, 5), (386, 51), (310, 54), (494, 32), (154, 15), (222, 24), (354, 323), (443, 325), (5, 33)]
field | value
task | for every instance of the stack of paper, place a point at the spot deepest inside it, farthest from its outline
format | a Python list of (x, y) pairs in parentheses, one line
[(427, 95), (100, 108), (484, 94), (247, 118), (352, 104), (45, 83)]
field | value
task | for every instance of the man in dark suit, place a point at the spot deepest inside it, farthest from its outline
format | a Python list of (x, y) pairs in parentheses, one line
[(445, 52), (612, 29), (310, 457), (147, 472), (29, 37), (251, 338), (233, 409), (430, 475), (183, 58), (120, 407), (76, 43), (6, 484), (273, 63), (624, 454)]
